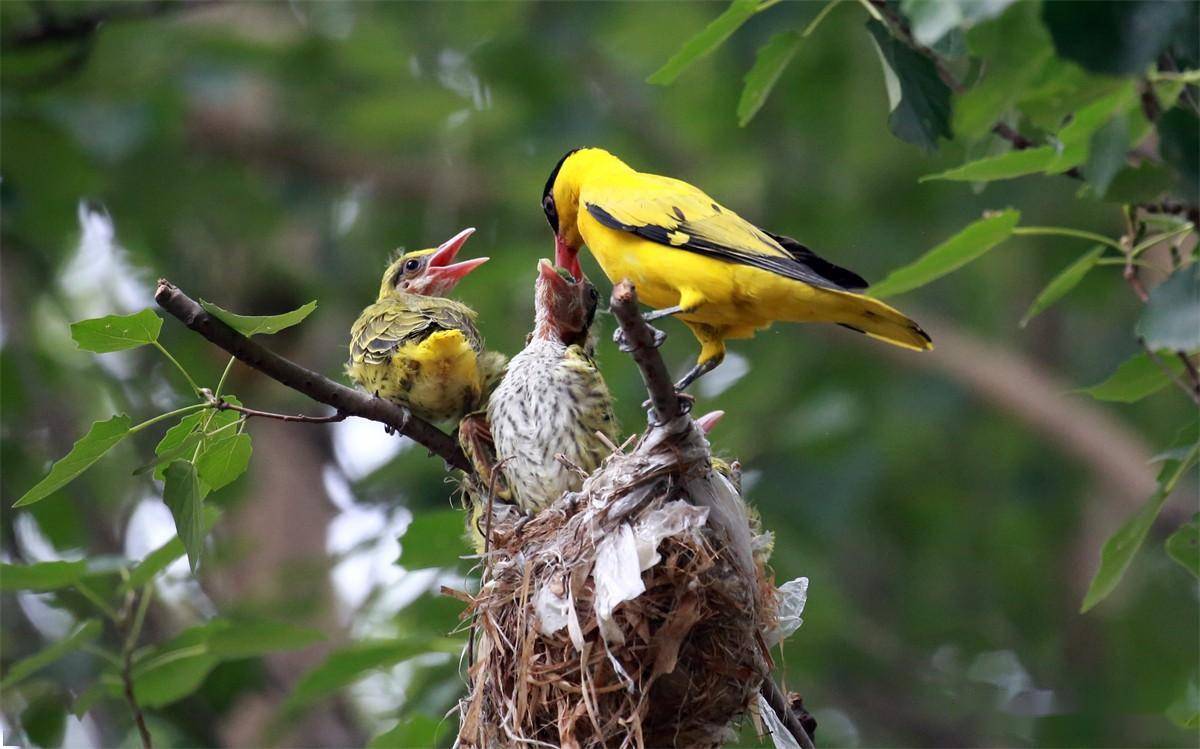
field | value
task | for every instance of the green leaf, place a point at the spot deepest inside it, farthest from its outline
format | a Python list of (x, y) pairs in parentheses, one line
[(413, 731), (179, 441), (89, 697), (1120, 549), (249, 638), (1144, 183), (162, 557), (1002, 166), (1115, 37), (1135, 379), (1184, 545), (1179, 144), (348, 665), (184, 497), (1106, 153), (1185, 711), (252, 325), (1062, 284), (1171, 318), (44, 720), (711, 37), (1016, 47), (433, 539), (933, 19), (117, 332), (955, 252), (1075, 138), (772, 58), (222, 461), (918, 99), (102, 437), (41, 576), (86, 632), (174, 670)]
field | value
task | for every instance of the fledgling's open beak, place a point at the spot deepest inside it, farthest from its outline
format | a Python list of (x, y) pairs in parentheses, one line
[(441, 266), (567, 257), (709, 420), (560, 285)]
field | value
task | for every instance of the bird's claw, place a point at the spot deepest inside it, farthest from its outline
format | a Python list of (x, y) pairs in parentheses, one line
[(625, 346)]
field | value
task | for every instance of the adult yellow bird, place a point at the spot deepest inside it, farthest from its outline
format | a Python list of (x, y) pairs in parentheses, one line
[(417, 348), (691, 257)]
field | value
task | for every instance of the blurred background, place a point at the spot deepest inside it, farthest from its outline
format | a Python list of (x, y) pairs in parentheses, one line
[(948, 508)]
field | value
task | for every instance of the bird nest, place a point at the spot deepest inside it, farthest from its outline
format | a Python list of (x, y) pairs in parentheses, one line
[(636, 612)]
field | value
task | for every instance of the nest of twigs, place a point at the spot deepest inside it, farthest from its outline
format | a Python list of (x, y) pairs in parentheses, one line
[(633, 613)]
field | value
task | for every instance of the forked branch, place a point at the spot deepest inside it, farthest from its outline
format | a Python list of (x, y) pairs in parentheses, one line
[(345, 400)]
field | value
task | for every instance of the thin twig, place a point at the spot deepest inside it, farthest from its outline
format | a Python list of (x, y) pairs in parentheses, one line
[(131, 631), (316, 386), (778, 702), (1193, 375), (223, 405), (639, 338)]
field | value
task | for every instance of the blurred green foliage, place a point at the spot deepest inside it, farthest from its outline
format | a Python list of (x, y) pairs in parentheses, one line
[(262, 155)]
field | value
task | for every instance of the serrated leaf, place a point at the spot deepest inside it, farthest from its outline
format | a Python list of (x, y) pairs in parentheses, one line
[(41, 576), (1121, 547), (769, 64), (223, 460), (711, 37), (919, 99), (180, 441), (249, 325), (433, 539), (250, 638), (415, 730), (116, 332), (1136, 378), (1075, 137), (176, 435), (1171, 318), (347, 665), (1016, 47), (1062, 284), (955, 252), (184, 497), (1002, 166), (102, 437), (1106, 153), (84, 633), (1184, 545)]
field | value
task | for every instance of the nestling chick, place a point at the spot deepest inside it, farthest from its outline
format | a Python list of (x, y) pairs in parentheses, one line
[(553, 399), (417, 348)]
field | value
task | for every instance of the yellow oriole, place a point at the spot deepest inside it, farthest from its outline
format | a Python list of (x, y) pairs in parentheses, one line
[(417, 348), (691, 257)]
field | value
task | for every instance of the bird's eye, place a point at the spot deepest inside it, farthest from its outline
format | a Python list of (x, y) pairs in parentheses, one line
[(412, 265), (548, 203)]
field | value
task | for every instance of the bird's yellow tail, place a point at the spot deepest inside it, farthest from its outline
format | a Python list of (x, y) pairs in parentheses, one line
[(878, 320)]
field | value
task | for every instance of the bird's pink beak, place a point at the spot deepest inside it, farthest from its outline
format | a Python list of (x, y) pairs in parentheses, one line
[(441, 267), (709, 420), (567, 257), (551, 276)]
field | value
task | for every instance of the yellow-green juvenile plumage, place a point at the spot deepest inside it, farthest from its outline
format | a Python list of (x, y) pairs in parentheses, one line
[(417, 348), (689, 256)]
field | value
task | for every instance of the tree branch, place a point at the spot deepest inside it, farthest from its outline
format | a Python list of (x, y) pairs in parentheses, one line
[(641, 344), (223, 405), (50, 28), (347, 401)]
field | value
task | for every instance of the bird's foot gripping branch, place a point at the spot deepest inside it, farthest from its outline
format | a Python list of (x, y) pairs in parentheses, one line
[(638, 611)]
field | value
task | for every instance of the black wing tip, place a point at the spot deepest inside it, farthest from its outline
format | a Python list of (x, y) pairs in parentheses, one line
[(843, 277)]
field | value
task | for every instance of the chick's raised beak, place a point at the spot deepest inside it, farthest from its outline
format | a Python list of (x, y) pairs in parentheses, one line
[(441, 265), (556, 277)]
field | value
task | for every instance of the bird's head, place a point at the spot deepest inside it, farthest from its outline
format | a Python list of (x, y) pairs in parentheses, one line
[(560, 202), (429, 272), (564, 307)]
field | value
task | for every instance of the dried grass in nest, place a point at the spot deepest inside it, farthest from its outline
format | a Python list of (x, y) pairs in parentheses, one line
[(681, 661)]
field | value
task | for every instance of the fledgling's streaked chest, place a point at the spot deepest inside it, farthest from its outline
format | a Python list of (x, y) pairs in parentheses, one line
[(552, 401)]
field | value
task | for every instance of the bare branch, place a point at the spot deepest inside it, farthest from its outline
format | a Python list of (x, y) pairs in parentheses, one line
[(345, 400), (642, 346), (223, 405), (778, 702)]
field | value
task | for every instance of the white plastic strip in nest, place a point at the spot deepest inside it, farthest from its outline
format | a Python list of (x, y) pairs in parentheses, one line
[(791, 597), (780, 736), (622, 557)]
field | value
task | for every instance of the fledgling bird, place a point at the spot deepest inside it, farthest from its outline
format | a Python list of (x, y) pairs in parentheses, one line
[(693, 258), (553, 400), (417, 348)]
